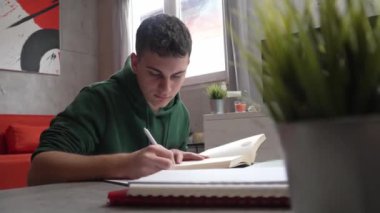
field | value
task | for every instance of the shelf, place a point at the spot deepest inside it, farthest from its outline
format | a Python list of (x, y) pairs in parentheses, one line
[(233, 115)]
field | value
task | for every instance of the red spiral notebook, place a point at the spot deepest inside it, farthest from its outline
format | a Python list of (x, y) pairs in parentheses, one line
[(273, 196), (260, 185)]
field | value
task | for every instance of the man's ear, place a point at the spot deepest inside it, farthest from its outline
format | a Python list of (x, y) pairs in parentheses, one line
[(134, 62)]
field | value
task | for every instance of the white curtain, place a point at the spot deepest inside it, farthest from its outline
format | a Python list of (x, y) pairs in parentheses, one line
[(238, 15), (122, 39), (114, 38)]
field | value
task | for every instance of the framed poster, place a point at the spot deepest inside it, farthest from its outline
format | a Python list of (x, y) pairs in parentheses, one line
[(29, 36)]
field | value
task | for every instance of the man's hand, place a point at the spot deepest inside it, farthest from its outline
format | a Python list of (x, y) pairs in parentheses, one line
[(54, 166), (180, 156), (154, 158), (146, 161)]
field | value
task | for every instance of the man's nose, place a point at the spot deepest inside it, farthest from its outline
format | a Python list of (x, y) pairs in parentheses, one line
[(165, 85)]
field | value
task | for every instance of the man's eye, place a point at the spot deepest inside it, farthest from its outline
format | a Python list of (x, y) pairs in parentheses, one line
[(156, 74), (177, 76)]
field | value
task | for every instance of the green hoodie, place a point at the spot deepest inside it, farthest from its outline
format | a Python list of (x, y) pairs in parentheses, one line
[(109, 117)]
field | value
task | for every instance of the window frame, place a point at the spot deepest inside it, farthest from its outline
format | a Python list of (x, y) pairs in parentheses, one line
[(173, 7)]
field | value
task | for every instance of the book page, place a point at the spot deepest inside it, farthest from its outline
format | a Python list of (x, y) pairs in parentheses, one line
[(247, 147), (209, 163)]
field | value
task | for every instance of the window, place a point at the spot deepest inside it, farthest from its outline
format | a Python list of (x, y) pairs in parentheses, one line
[(142, 9), (204, 18)]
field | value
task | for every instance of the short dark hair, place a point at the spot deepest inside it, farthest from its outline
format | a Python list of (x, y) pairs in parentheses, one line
[(165, 35)]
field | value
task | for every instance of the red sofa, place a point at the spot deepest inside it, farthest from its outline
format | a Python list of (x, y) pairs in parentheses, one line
[(19, 137)]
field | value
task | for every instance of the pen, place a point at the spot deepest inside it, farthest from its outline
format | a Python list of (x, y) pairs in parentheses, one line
[(150, 137)]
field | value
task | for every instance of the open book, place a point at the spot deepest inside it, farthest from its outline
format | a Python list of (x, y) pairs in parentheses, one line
[(234, 154)]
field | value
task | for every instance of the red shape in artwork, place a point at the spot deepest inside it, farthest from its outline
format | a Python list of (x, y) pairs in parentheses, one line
[(46, 20)]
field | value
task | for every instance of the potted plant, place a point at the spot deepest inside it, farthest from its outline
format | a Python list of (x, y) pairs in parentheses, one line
[(216, 94), (319, 75)]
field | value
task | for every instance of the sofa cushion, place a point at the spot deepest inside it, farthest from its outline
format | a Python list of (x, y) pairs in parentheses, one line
[(3, 148), (14, 170), (22, 138)]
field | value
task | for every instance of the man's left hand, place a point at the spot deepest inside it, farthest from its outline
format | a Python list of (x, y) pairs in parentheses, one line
[(180, 156)]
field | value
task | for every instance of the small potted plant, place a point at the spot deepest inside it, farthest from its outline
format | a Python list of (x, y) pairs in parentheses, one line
[(216, 93), (319, 74)]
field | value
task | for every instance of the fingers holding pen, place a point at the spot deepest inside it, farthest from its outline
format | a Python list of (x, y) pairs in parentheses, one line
[(164, 158), (161, 151), (178, 155), (148, 160)]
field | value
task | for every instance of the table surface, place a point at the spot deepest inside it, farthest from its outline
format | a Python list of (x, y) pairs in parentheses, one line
[(84, 197)]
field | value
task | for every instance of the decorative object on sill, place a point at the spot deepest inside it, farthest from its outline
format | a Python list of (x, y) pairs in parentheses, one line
[(234, 94), (254, 107), (240, 106), (244, 102), (216, 93), (322, 86)]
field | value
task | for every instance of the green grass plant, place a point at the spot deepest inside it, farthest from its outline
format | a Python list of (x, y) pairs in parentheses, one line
[(317, 66), (215, 91)]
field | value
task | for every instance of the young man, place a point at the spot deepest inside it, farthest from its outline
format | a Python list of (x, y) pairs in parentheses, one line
[(100, 134)]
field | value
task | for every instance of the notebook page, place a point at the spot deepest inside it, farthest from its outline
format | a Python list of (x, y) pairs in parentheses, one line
[(265, 173)]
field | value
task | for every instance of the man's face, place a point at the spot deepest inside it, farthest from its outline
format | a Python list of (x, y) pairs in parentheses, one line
[(159, 78)]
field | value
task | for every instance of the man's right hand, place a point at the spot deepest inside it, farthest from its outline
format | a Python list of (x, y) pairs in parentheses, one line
[(146, 161), (55, 167)]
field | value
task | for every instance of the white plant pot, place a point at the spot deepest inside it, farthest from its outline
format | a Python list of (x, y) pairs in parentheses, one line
[(217, 106), (333, 165)]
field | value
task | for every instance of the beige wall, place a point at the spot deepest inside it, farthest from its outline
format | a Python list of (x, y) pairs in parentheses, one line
[(197, 103)]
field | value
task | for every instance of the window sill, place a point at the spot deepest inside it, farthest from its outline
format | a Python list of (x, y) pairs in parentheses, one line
[(201, 79)]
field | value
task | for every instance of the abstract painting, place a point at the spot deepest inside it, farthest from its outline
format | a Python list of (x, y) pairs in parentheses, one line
[(29, 36)]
